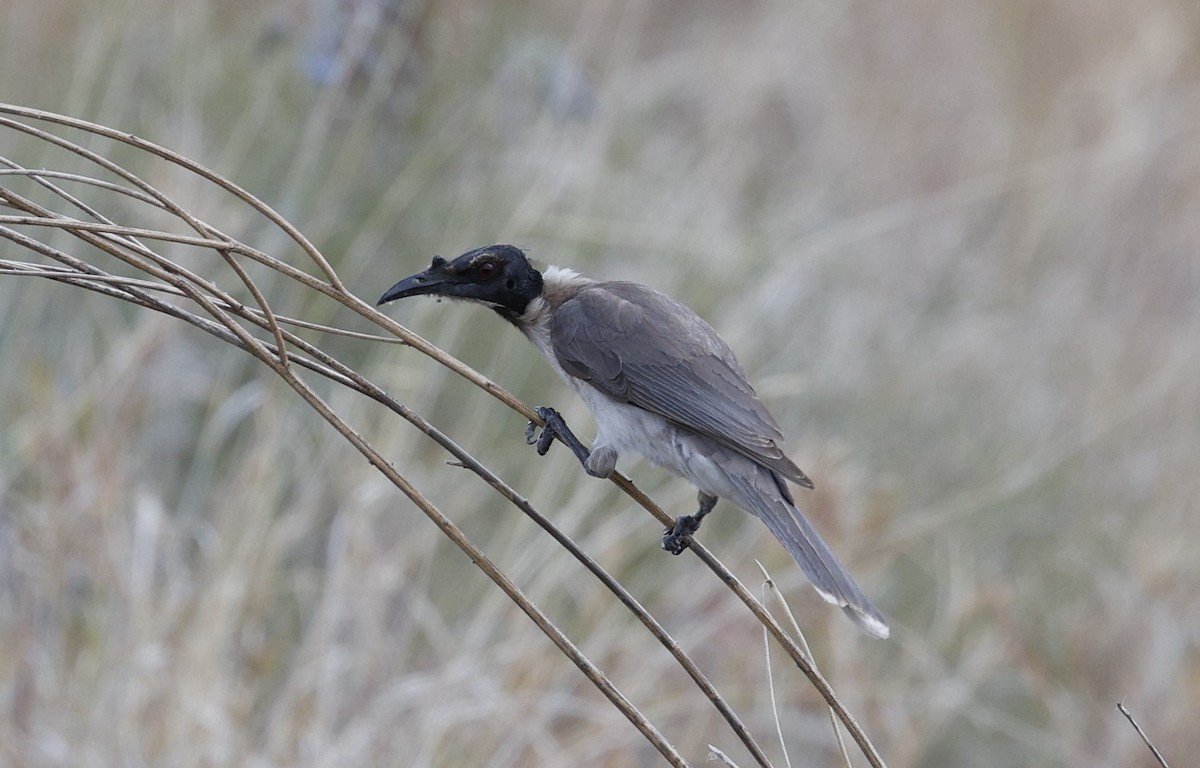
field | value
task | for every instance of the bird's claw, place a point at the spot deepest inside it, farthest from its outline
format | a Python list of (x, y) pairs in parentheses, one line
[(679, 536), (549, 432)]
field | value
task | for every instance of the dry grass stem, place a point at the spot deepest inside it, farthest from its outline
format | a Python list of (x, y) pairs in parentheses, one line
[(769, 587), (1145, 739), (257, 329)]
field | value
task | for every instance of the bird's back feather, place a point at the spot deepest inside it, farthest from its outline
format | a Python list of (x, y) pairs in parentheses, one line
[(641, 347)]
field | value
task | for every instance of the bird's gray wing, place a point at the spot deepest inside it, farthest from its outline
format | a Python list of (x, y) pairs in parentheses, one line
[(641, 347)]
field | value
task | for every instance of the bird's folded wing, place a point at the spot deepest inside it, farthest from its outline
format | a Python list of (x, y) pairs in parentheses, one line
[(640, 347)]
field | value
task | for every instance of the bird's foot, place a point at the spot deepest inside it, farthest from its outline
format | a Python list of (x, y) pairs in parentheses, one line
[(554, 427), (546, 439), (679, 536)]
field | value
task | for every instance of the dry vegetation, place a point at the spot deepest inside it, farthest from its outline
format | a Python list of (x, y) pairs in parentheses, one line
[(955, 244)]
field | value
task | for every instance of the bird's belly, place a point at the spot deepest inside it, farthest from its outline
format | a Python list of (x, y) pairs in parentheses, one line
[(702, 461), (626, 428)]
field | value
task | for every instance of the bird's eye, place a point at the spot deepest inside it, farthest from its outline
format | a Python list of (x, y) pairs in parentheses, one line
[(486, 268)]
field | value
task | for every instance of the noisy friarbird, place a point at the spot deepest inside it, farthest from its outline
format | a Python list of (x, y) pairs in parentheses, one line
[(659, 381)]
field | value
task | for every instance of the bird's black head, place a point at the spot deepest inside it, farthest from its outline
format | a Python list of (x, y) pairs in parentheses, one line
[(498, 276)]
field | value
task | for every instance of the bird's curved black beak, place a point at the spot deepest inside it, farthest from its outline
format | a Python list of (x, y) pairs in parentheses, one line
[(432, 281)]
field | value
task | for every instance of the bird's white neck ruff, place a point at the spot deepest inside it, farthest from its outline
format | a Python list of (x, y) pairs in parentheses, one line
[(559, 280), (558, 285)]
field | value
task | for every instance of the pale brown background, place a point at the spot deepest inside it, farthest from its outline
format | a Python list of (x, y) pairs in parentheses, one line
[(955, 244)]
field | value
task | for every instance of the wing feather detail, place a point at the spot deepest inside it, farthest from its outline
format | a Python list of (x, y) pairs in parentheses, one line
[(641, 347)]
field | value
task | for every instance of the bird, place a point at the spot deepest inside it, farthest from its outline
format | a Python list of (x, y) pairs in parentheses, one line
[(660, 382)]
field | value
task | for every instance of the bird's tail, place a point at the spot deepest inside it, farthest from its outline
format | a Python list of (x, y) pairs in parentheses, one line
[(767, 497)]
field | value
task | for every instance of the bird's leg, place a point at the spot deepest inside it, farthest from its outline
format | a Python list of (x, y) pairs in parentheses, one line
[(599, 462), (679, 536), (555, 427)]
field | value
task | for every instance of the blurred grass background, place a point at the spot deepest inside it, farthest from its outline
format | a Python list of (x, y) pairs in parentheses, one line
[(955, 244)]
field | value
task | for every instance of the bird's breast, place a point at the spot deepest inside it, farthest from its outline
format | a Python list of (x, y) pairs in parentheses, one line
[(630, 429)]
